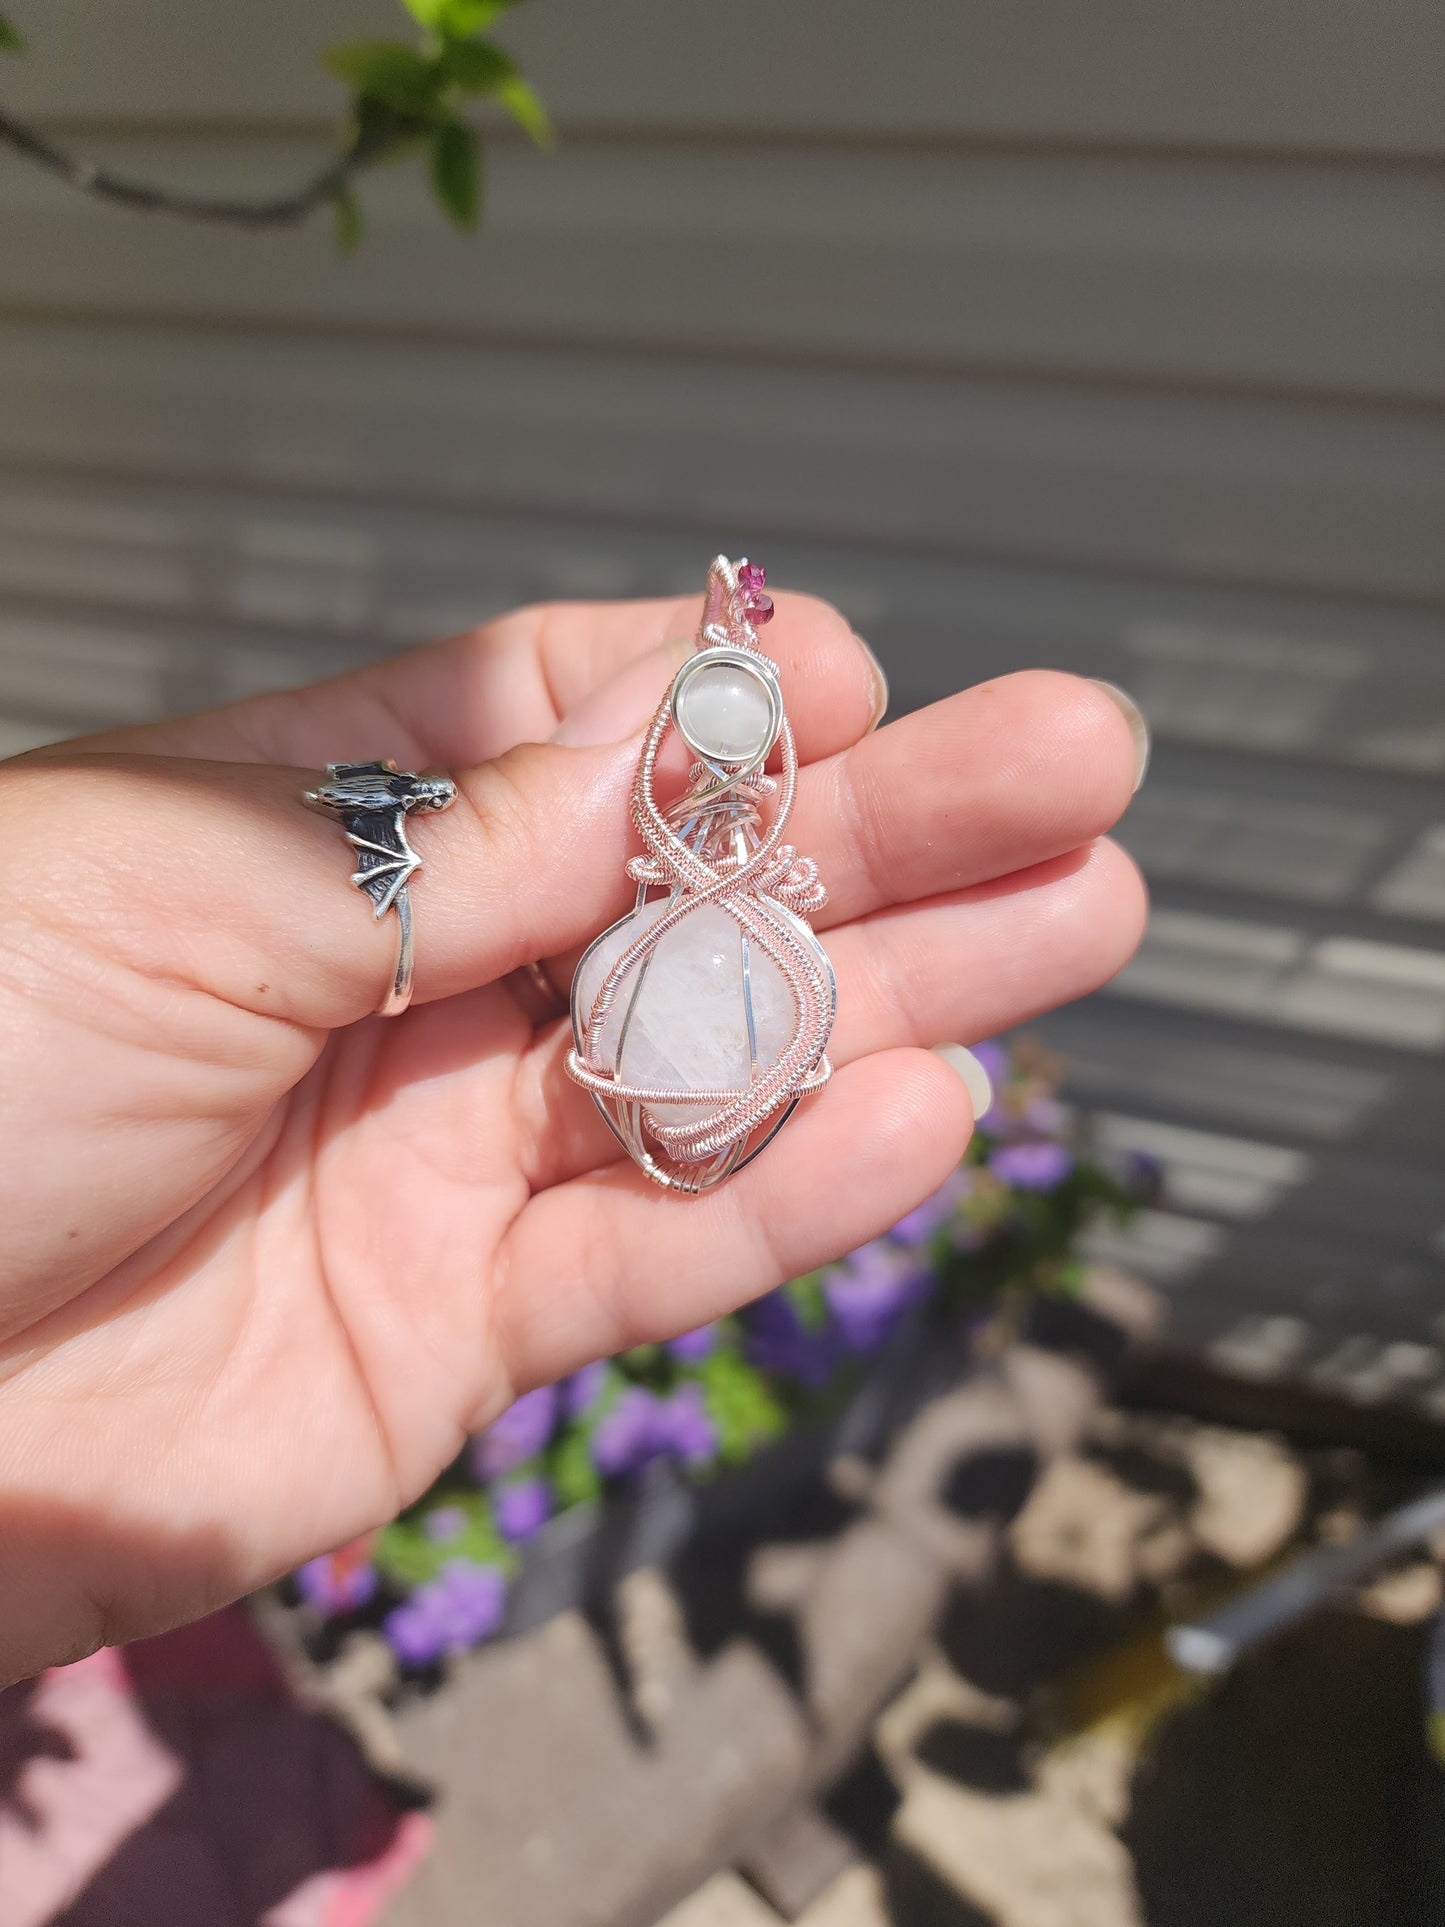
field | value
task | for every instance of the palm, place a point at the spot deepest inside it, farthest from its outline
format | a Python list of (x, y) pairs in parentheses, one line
[(368, 1346), (394, 1228)]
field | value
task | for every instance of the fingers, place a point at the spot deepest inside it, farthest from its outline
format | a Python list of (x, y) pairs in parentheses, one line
[(1005, 775), (643, 1265), (214, 873), (958, 967), (215, 876), (969, 965), (474, 696), (1000, 777)]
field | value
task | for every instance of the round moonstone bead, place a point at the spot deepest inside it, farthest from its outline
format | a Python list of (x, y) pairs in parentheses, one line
[(724, 712)]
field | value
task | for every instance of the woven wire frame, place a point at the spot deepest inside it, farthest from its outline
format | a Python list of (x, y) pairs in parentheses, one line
[(713, 846)]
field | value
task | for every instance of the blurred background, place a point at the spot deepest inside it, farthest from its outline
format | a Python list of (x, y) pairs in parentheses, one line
[(1110, 338)]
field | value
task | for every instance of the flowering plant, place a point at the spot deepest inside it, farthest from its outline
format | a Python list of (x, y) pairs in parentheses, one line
[(1007, 1221)]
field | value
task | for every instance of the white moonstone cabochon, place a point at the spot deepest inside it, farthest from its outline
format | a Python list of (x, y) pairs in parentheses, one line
[(683, 1021), (724, 711)]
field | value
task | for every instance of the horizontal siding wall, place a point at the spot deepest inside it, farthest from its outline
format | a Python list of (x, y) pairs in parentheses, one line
[(1276, 493), (1291, 275), (1111, 337), (1340, 76)]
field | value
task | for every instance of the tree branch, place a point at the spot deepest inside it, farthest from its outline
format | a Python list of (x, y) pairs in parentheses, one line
[(283, 210)]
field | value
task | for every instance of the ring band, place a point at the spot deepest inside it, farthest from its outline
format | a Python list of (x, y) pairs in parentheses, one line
[(372, 802)]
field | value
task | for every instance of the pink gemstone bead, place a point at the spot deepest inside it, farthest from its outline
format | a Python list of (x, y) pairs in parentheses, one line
[(760, 609), (751, 577)]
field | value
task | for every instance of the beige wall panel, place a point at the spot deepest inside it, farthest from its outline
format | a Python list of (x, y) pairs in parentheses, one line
[(1291, 276), (1350, 499), (1339, 75), (121, 597)]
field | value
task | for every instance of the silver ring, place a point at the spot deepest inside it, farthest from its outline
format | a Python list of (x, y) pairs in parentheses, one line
[(372, 802)]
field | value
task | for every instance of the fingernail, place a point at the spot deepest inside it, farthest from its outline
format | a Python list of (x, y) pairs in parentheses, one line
[(1134, 716), (976, 1080), (618, 708), (880, 684)]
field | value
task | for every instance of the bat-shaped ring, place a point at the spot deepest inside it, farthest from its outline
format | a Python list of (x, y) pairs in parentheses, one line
[(372, 802)]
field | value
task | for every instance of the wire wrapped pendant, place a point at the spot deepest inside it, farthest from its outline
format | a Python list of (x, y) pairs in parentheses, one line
[(702, 1017)]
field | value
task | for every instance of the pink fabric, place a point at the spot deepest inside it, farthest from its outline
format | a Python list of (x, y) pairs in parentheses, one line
[(87, 1774), (355, 1898), (178, 1782)]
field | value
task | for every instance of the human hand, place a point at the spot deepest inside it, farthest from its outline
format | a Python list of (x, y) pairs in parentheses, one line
[(266, 1261)]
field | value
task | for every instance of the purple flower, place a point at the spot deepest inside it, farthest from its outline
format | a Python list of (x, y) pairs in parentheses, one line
[(871, 1291), (444, 1522), (581, 1391), (641, 1427), (627, 1437), (460, 1607), (413, 1633), (779, 1341), (684, 1428), (522, 1509), (518, 1435), (471, 1600), (340, 1581), (1141, 1171), (690, 1348), (1036, 1166), (925, 1220)]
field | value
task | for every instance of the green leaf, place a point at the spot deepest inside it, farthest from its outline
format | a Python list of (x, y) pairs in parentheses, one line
[(477, 67), (457, 17), (387, 71), (483, 1545), (12, 41), (456, 171), (406, 1556), (525, 106), (740, 1404), (349, 223), (808, 1299), (574, 1477), (463, 17), (384, 135)]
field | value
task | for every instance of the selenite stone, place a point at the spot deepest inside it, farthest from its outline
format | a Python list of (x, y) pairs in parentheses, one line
[(724, 712), (681, 1018)]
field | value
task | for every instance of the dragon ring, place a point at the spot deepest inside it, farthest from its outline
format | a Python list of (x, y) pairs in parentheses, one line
[(702, 1018), (372, 802)]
